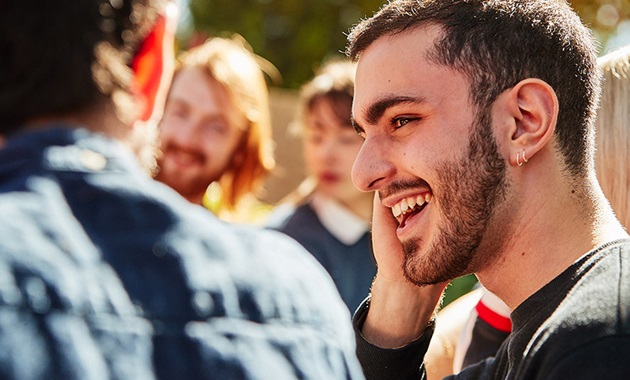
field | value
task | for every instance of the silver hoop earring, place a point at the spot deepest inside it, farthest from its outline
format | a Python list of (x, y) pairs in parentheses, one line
[(524, 158), (518, 161)]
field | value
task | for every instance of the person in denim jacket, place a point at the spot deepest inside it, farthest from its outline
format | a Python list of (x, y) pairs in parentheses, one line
[(105, 273)]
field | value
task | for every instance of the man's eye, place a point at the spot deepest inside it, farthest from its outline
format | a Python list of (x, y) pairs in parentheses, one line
[(216, 127), (359, 131), (401, 122)]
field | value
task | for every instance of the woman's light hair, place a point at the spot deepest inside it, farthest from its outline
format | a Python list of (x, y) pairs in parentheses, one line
[(613, 132)]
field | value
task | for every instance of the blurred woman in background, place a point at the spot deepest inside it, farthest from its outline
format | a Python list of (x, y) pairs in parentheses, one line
[(327, 214)]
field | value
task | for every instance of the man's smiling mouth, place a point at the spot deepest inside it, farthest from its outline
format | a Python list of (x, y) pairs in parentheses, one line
[(410, 206)]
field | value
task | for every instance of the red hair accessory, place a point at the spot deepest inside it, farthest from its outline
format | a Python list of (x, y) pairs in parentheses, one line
[(148, 66)]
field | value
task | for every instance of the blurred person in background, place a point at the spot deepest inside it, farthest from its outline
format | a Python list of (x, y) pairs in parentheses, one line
[(612, 160), (106, 273), (216, 129), (327, 214)]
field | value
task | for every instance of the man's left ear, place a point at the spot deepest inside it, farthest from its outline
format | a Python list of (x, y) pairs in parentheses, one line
[(533, 107), (153, 65)]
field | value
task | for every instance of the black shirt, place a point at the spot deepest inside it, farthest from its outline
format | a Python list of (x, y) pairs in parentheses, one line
[(575, 327)]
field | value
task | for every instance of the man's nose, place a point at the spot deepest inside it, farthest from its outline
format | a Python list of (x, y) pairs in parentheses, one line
[(373, 166), (186, 133)]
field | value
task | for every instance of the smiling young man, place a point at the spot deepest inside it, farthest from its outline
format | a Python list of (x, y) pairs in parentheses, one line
[(478, 125)]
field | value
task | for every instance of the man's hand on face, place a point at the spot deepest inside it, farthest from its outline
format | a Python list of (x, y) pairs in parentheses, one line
[(387, 248), (399, 310)]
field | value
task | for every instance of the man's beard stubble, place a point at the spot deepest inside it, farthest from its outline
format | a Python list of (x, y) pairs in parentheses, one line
[(470, 191)]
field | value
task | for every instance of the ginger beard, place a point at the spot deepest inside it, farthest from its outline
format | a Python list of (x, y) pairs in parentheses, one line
[(470, 190), (202, 134), (191, 181)]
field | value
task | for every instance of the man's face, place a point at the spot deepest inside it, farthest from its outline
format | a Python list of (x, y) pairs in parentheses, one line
[(199, 134), (430, 154)]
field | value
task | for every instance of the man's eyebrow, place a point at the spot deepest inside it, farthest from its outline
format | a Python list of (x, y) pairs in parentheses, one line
[(377, 109)]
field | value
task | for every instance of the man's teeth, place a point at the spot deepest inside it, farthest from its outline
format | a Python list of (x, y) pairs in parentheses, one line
[(409, 204)]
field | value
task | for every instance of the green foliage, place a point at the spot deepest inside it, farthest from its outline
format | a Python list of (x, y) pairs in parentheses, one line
[(296, 35)]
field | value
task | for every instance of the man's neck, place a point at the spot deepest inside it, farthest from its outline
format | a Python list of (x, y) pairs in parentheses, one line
[(547, 236), (196, 199), (100, 118)]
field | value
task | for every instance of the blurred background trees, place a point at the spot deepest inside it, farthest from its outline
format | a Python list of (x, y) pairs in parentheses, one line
[(296, 35), (293, 34)]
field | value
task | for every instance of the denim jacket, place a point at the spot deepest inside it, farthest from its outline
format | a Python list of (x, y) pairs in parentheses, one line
[(105, 273)]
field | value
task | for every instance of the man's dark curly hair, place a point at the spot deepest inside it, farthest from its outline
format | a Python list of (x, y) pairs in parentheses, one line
[(59, 57)]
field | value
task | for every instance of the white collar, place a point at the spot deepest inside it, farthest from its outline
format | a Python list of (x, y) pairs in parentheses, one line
[(338, 220)]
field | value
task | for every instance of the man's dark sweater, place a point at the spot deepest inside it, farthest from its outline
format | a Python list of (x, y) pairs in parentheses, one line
[(575, 327)]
